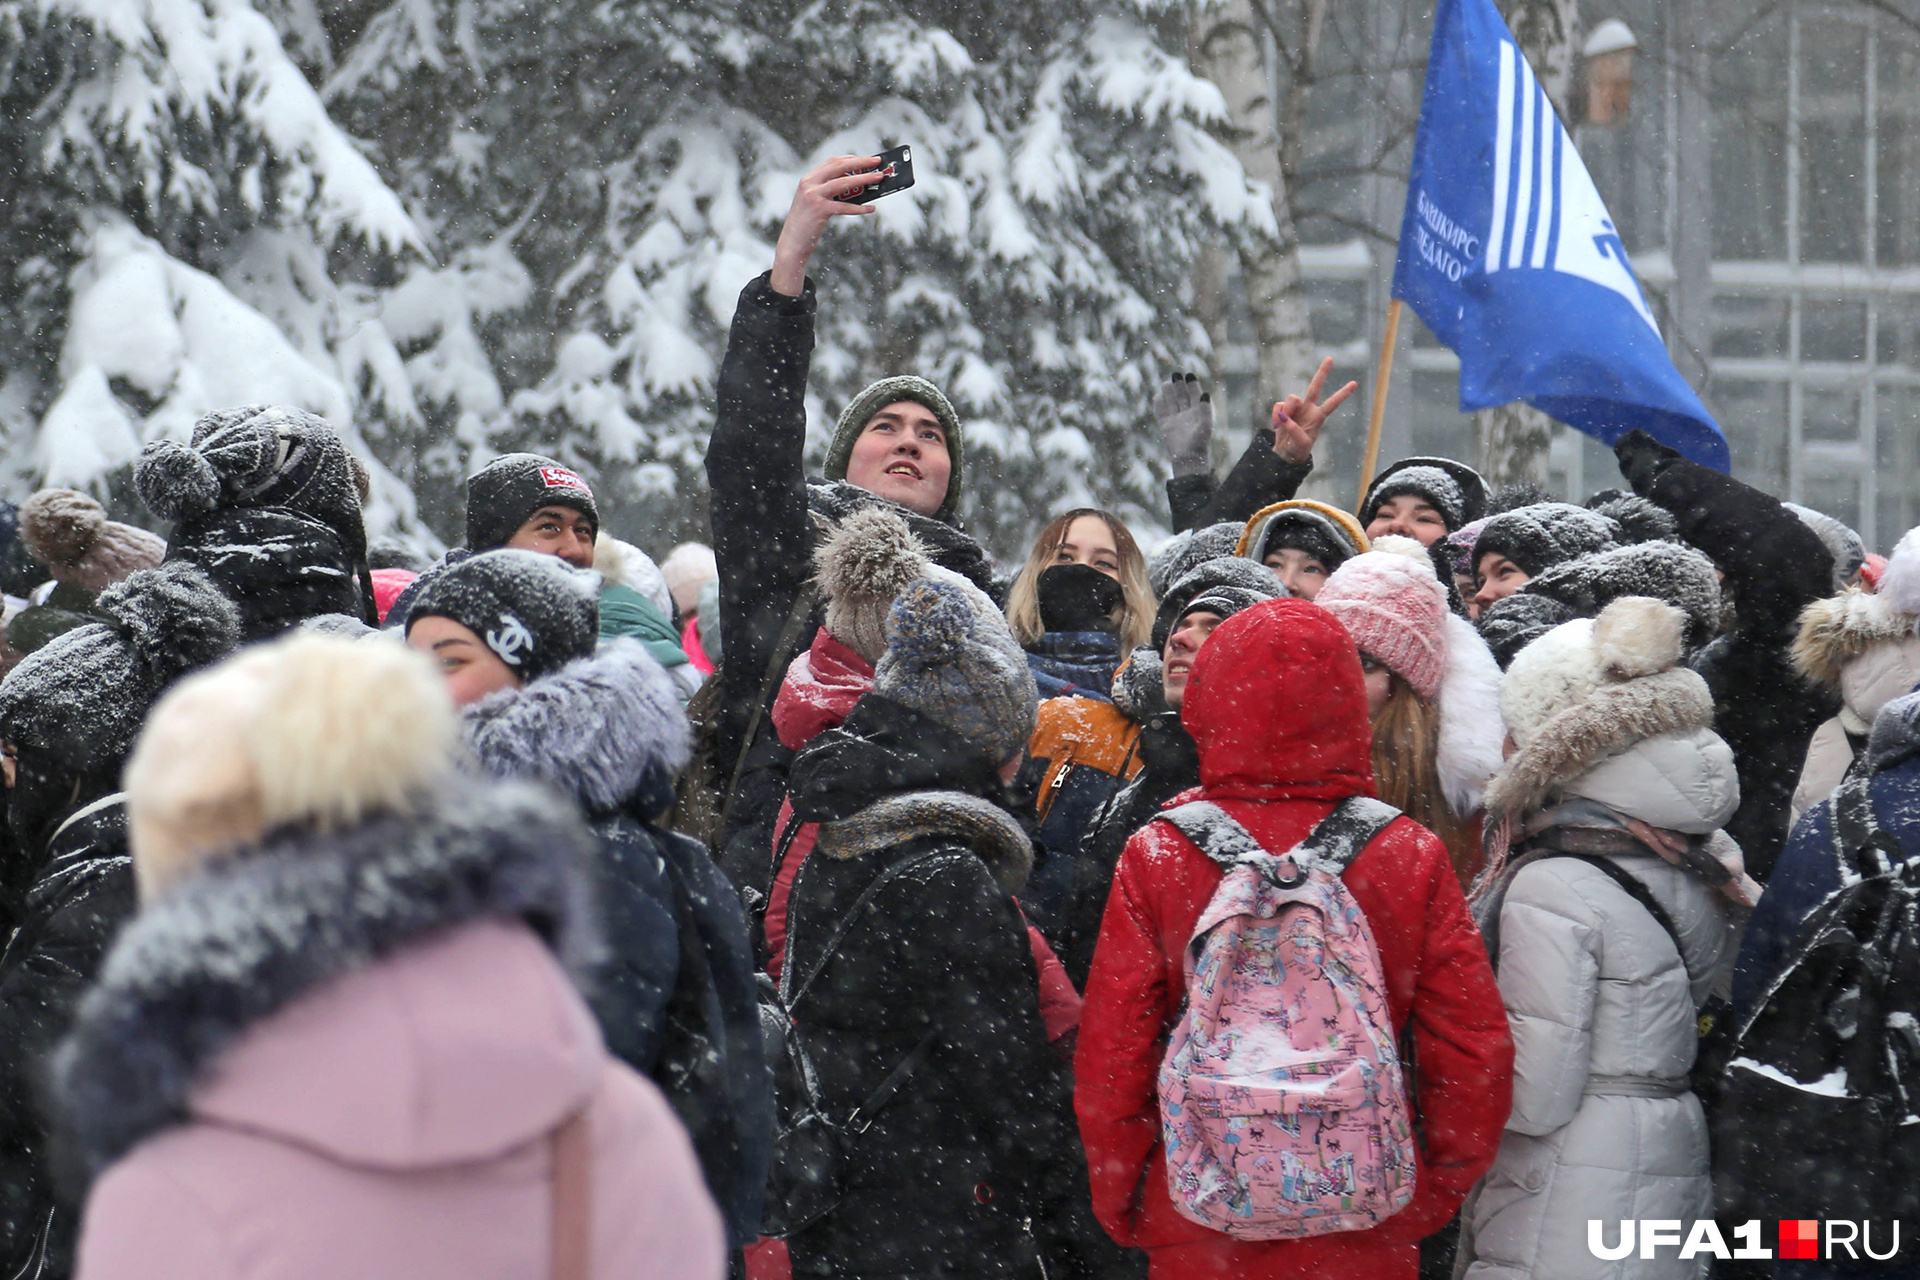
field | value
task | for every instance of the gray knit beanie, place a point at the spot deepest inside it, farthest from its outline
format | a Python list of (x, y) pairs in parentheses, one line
[(536, 612), (877, 396), (69, 533), (862, 564), (951, 657)]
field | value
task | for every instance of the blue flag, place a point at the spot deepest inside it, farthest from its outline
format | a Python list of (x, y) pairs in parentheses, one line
[(1508, 254)]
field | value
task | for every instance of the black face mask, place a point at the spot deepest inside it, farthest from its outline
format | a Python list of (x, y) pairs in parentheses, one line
[(1077, 597)]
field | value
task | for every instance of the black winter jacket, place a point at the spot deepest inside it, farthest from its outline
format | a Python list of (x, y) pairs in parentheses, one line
[(763, 545), (1259, 479), (69, 917), (673, 990), (1774, 567), (974, 1164)]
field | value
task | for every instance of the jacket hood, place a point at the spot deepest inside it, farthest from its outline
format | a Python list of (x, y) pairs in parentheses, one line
[(247, 937), (1469, 751), (982, 826), (1277, 706), (1684, 781), (1835, 631), (605, 730), (1139, 688), (1896, 734), (1341, 529)]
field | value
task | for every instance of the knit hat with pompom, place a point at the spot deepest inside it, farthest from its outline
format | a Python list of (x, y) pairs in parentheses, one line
[(69, 532), (862, 564), (80, 698), (1395, 609), (952, 657)]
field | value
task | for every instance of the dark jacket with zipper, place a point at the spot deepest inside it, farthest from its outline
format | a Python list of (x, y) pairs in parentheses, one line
[(1259, 479), (1774, 566), (68, 918), (972, 1167), (763, 515)]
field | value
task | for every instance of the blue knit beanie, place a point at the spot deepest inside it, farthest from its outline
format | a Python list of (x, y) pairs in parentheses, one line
[(951, 656)]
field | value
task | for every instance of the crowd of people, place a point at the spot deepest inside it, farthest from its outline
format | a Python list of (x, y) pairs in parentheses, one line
[(1316, 894)]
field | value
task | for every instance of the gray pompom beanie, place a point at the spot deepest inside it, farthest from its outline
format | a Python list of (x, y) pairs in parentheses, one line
[(952, 657), (877, 396)]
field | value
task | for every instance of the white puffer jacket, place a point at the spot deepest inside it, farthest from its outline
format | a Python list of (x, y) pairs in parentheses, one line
[(1602, 1009)]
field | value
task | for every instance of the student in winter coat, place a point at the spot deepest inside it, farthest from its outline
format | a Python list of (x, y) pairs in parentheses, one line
[(1615, 773), (1433, 693), (68, 715), (1068, 893), (898, 443), (1424, 499), (970, 1166), (1774, 567), (674, 991), (1276, 704), (1861, 644), (1277, 459), (266, 500), (1081, 603), (340, 1039), (1302, 542), (1516, 546)]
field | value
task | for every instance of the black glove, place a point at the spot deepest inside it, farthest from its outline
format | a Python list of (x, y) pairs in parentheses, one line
[(1642, 459)]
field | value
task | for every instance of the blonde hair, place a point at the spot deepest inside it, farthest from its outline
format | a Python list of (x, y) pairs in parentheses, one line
[(1132, 621), (1406, 772), (309, 729)]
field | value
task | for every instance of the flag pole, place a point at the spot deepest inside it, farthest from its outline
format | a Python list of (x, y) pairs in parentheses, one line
[(1381, 377)]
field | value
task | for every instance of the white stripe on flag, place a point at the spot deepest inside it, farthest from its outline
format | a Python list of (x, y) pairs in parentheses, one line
[(1502, 157), (1522, 214), (1543, 223)]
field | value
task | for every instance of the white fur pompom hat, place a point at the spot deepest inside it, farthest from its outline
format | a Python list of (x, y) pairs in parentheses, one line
[(310, 730)]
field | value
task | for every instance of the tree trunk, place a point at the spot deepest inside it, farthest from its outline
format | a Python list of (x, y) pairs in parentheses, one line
[(1514, 438), (1226, 41)]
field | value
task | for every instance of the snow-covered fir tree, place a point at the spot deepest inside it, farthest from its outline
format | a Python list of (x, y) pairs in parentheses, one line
[(599, 181), (179, 209)]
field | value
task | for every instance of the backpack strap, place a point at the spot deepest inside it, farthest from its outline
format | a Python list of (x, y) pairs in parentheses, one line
[(1335, 841), (1864, 847), (790, 994), (1634, 888)]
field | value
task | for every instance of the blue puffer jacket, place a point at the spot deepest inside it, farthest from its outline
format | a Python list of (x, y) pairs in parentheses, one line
[(675, 992), (1076, 664)]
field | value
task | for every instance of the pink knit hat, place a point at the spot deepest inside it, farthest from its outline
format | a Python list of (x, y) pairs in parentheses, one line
[(1396, 611)]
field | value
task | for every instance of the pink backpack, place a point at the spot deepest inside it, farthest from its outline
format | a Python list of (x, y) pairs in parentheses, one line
[(1282, 1101)]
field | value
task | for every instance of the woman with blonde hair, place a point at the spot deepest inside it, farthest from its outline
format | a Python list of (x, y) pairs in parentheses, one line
[(1433, 692), (1081, 603)]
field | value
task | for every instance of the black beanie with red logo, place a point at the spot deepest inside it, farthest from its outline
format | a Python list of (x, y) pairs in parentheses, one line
[(505, 493)]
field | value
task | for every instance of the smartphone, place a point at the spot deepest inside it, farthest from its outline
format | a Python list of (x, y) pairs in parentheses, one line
[(896, 166)]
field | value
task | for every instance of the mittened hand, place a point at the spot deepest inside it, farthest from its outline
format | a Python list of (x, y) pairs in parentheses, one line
[(1642, 459), (1185, 415)]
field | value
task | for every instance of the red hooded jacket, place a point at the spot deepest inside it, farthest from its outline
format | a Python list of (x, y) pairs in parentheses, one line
[(1277, 705)]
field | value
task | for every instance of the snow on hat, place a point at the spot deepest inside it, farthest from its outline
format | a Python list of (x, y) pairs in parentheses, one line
[(1457, 547), (628, 566), (862, 564), (502, 495), (1456, 490), (877, 396), (1900, 580), (1669, 571), (535, 612), (69, 532), (1540, 536), (1849, 551), (1190, 548), (1639, 519), (1222, 586), (1511, 624), (256, 456), (1327, 533), (952, 657), (80, 698), (687, 568), (1395, 609)]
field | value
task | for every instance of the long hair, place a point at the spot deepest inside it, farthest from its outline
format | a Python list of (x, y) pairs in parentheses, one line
[(1406, 770), (1132, 620)]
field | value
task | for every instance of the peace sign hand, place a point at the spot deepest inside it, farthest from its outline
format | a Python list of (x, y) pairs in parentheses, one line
[(1297, 419)]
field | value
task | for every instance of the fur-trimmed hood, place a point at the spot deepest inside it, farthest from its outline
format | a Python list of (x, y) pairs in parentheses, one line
[(1835, 631), (1469, 750), (605, 730), (980, 825), (252, 933)]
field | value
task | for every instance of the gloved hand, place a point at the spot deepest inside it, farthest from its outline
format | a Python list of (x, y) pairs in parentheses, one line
[(1185, 415), (1642, 459)]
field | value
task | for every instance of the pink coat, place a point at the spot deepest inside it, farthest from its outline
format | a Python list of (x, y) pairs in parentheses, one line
[(393, 1125)]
